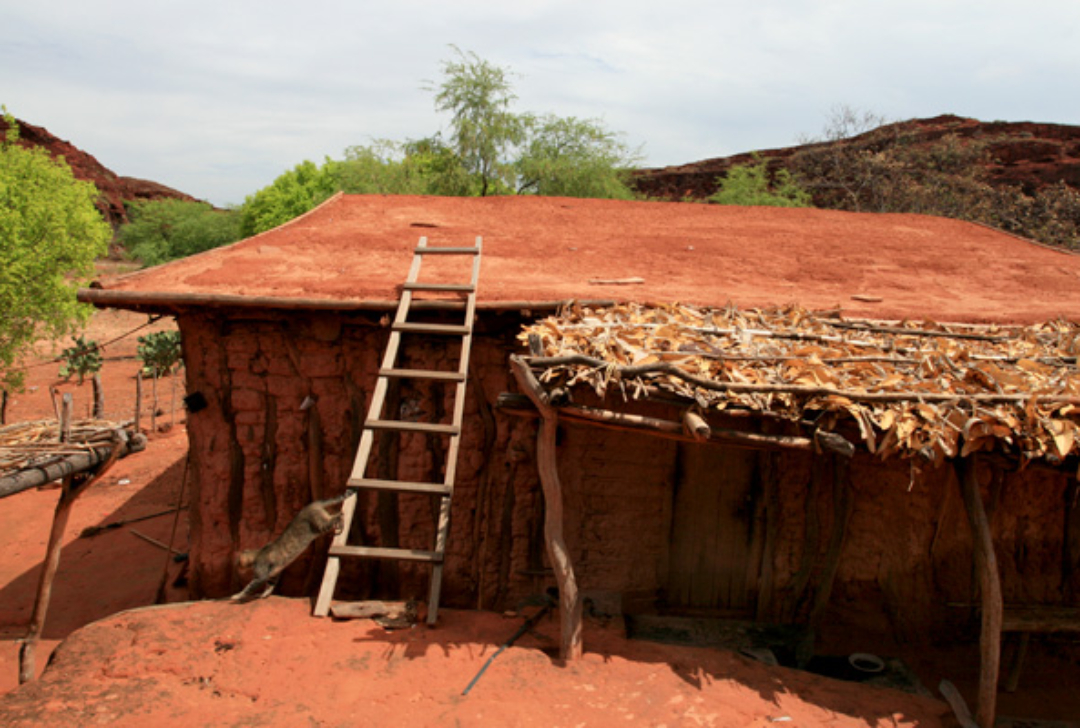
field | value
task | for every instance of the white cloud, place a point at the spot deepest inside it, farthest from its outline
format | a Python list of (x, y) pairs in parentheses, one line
[(216, 99)]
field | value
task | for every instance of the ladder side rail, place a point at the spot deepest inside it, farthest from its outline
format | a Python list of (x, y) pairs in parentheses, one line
[(442, 531)]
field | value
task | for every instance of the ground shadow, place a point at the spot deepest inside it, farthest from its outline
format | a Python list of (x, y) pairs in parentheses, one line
[(106, 573)]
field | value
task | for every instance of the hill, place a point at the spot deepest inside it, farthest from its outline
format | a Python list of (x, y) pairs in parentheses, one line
[(115, 189), (1028, 155)]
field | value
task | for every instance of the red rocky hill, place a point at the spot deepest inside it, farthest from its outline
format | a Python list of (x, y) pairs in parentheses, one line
[(115, 190), (1025, 154)]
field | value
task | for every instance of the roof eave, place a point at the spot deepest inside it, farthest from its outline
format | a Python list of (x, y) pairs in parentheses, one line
[(172, 302)]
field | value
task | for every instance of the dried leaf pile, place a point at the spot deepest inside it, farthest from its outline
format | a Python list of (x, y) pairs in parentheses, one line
[(913, 388), (35, 444)]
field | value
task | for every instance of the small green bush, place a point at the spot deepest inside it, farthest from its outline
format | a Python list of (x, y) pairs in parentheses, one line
[(160, 353), (749, 184), (83, 358)]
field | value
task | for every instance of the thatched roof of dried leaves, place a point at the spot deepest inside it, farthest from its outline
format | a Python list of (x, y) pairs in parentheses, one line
[(913, 388)]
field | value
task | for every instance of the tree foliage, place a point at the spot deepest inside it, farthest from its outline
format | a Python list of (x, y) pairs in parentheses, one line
[(573, 157), (50, 234), (749, 184), (489, 149), (478, 96), (420, 167), (290, 195), (163, 230)]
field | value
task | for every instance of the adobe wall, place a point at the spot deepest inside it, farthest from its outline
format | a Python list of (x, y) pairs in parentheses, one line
[(259, 455)]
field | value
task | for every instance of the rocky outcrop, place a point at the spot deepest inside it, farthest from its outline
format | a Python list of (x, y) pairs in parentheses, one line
[(1025, 154), (115, 190)]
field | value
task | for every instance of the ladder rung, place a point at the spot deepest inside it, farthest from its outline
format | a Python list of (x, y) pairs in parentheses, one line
[(448, 251), (374, 552), (462, 287), (459, 329), (404, 426), (422, 374), (400, 486)]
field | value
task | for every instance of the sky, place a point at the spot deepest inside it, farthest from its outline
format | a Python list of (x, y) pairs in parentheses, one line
[(216, 99)]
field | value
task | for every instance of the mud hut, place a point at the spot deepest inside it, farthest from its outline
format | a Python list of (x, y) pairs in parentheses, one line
[(775, 505)]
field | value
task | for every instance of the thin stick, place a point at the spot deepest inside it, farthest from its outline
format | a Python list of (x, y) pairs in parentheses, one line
[(138, 399), (161, 596), (95, 530), (153, 541), (153, 396)]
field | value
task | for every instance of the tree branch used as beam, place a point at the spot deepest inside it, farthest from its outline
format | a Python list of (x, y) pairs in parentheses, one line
[(669, 429)]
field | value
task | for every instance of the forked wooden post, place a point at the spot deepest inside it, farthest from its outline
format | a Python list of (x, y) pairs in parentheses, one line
[(73, 487), (570, 602), (989, 588)]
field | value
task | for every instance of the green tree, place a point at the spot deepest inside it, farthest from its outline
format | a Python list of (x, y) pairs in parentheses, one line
[(484, 130), (292, 194), (419, 167), (749, 184), (50, 234), (163, 230), (574, 157)]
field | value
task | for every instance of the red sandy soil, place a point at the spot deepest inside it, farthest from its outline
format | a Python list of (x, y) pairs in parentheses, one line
[(357, 248)]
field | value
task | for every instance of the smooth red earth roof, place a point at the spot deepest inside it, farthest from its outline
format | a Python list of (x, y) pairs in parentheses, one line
[(355, 250)]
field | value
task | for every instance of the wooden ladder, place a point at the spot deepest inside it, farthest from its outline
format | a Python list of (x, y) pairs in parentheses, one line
[(375, 421)]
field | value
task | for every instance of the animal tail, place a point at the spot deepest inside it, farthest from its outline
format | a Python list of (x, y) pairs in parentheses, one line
[(337, 500)]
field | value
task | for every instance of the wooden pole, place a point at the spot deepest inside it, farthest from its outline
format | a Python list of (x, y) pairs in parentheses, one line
[(62, 467), (67, 415), (138, 400), (989, 588), (154, 407), (99, 397), (72, 488), (517, 405), (570, 601)]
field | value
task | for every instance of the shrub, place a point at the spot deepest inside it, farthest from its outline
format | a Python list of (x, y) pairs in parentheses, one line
[(749, 184), (83, 358), (163, 230), (160, 352)]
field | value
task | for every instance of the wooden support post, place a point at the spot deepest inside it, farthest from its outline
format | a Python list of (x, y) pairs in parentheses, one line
[(154, 407), (67, 416), (138, 400), (72, 487), (570, 602), (99, 397), (989, 588)]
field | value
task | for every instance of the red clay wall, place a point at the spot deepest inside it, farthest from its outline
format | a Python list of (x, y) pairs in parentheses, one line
[(258, 456)]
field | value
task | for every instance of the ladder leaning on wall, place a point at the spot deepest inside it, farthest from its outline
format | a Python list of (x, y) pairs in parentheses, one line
[(340, 548)]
